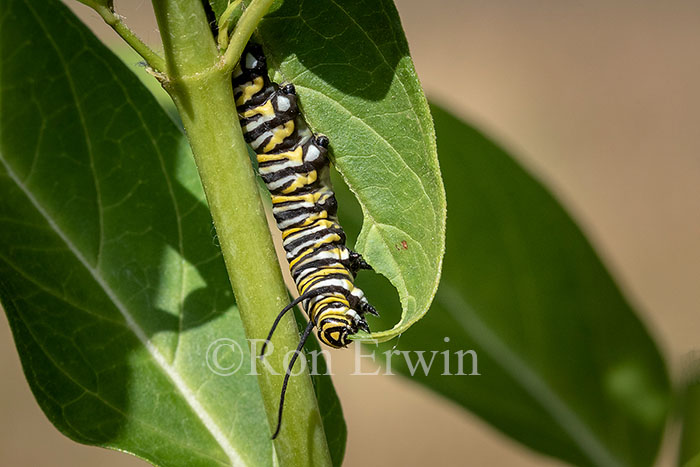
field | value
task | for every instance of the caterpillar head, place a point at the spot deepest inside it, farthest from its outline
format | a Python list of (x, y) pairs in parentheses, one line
[(336, 327), (335, 330)]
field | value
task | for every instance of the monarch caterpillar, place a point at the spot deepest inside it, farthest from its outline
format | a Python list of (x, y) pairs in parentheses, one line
[(293, 163)]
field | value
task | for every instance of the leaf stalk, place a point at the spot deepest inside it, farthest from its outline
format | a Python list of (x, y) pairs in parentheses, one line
[(115, 21), (244, 29)]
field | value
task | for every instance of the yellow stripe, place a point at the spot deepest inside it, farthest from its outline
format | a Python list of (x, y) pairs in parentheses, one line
[(328, 239), (318, 275), (266, 110), (320, 223), (308, 198), (325, 241), (301, 181), (305, 284), (334, 314), (299, 257), (330, 299), (295, 155), (326, 271), (302, 255), (249, 90), (279, 134)]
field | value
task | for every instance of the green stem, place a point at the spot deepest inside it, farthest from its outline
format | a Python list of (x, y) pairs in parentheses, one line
[(154, 60), (225, 22), (244, 29), (203, 94)]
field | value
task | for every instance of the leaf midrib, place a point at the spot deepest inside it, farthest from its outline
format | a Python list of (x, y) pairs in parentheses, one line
[(379, 136), (96, 395), (172, 373), (526, 377)]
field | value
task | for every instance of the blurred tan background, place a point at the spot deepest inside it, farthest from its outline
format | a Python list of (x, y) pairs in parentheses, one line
[(601, 99)]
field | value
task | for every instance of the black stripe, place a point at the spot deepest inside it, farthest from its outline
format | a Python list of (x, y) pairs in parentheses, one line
[(319, 263), (254, 101), (321, 249), (296, 136), (327, 201), (315, 236), (316, 207), (278, 121), (299, 191), (304, 169), (292, 213), (310, 285)]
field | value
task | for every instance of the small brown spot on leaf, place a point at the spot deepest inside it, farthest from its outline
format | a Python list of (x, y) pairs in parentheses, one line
[(401, 246)]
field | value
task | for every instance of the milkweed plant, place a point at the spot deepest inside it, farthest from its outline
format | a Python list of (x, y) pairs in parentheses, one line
[(139, 325)]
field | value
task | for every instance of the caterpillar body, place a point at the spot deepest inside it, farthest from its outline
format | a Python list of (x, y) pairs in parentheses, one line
[(293, 163)]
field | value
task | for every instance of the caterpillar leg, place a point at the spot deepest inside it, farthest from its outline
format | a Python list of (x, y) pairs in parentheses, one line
[(361, 323), (357, 262), (366, 307), (358, 317), (362, 305)]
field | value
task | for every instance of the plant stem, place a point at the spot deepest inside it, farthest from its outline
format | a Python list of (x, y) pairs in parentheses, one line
[(225, 22), (154, 60), (203, 94), (244, 29)]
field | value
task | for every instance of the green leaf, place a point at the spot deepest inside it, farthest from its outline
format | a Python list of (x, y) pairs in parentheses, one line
[(112, 283), (350, 64), (689, 455), (564, 365), (219, 6)]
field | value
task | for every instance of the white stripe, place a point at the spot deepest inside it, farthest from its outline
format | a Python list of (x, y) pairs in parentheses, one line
[(250, 61), (301, 234), (317, 256), (291, 207), (357, 292), (305, 273), (187, 394), (260, 140), (344, 283), (288, 163), (353, 313), (327, 254), (294, 220), (288, 207), (259, 121), (254, 124), (308, 243), (304, 134), (272, 186)]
